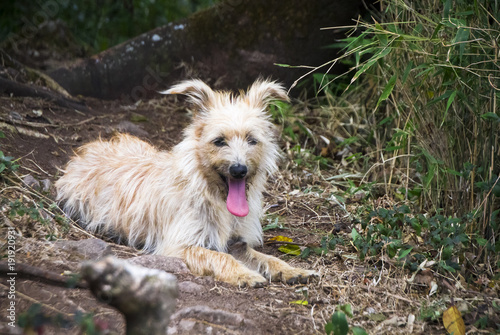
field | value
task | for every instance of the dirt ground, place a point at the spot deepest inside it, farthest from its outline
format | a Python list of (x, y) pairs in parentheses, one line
[(42, 135)]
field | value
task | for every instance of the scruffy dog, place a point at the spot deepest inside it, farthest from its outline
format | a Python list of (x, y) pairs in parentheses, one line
[(202, 201)]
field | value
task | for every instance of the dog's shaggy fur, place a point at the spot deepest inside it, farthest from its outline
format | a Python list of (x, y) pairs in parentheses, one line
[(202, 201)]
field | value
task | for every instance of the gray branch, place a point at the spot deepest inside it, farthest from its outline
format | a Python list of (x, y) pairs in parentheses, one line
[(146, 297)]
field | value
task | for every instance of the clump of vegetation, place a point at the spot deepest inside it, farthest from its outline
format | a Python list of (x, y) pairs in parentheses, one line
[(432, 78)]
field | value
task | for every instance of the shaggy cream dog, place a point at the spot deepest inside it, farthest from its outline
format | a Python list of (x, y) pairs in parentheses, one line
[(202, 201)]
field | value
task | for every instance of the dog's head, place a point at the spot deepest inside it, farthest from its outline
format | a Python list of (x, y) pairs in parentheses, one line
[(235, 139)]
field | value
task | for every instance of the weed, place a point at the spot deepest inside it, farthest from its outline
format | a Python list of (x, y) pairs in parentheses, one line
[(7, 164), (338, 324)]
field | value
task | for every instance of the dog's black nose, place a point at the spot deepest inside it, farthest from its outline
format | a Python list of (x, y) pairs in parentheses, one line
[(238, 171)]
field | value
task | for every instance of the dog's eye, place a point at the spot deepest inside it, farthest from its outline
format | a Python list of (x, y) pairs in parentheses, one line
[(219, 142), (252, 141)]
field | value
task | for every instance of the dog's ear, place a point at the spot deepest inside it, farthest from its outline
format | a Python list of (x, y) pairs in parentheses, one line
[(262, 92), (199, 93)]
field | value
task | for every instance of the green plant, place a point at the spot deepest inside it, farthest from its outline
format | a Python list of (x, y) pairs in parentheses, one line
[(413, 238), (338, 324), (435, 74), (7, 164), (34, 320), (326, 244)]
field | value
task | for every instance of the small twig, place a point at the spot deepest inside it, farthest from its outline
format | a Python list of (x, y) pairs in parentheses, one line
[(28, 271)]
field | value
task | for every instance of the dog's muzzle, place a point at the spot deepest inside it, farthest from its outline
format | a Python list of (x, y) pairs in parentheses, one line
[(238, 171)]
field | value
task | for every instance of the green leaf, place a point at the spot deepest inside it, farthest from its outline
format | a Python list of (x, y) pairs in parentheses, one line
[(447, 267), (382, 37), (408, 68), (273, 225), (490, 116), (329, 328), (346, 309), (454, 172), (290, 249), (461, 37), (355, 235), (447, 252), (358, 331), (299, 302), (403, 254), (481, 241), (446, 9), (305, 253), (370, 63), (448, 104), (338, 325), (387, 90)]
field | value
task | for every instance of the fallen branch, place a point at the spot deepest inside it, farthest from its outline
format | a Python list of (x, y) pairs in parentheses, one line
[(8, 86), (146, 297), (30, 272), (23, 131)]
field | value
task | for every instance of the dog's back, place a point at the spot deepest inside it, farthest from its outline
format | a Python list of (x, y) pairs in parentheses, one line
[(104, 181)]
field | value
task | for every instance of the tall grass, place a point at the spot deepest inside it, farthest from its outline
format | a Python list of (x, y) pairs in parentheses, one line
[(435, 115)]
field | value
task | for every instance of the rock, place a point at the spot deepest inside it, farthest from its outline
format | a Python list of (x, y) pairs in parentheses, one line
[(90, 249), (30, 181), (46, 184), (168, 264), (191, 287), (217, 316)]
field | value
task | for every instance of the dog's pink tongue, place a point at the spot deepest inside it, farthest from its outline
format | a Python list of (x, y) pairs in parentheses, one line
[(236, 200)]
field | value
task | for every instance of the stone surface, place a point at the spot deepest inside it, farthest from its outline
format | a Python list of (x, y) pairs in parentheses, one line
[(90, 249), (168, 264), (191, 287)]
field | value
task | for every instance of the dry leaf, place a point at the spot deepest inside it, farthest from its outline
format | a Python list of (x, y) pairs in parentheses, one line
[(453, 322), (281, 238), (299, 302)]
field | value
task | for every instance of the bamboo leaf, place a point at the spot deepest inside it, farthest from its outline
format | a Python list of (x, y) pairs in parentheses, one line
[(490, 116), (408, 68), (448, 104), (387, 90)]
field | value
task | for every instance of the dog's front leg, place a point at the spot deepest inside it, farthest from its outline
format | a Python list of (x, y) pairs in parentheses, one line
[(269, 266), (222, 266)]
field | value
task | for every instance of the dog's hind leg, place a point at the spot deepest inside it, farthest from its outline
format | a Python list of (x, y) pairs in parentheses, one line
[(222, 266), (269, 266)]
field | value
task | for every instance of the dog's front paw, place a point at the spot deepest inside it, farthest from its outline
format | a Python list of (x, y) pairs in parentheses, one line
[(251, 279), (298, 276)]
